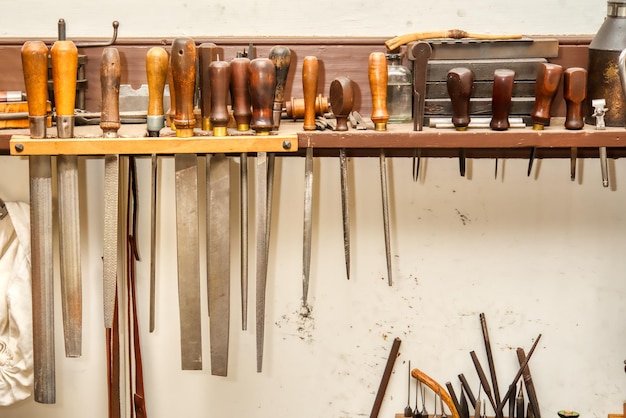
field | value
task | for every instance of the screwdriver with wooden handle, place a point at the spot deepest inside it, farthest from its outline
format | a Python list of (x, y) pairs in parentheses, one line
[(207, 53), (503, 80), (574, 93), (64, 57), (183, 69), (35, 68), (460, 82), (156, 72), (377, 76)]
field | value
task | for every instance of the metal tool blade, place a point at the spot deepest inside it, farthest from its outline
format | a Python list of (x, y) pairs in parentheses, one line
[(219, 262), (385, 200), (308, 225), (345, 207), (243, 214), (109, 259), (261, 254), (186, 180), (153, 199)]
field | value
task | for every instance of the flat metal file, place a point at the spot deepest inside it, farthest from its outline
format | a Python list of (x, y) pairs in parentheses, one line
[(35, 68), (418, 52)]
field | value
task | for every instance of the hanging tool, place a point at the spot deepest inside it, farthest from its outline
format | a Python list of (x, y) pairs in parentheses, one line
[(599, 111), (437, 388), (35, 68), (64, 56), (377, 75), (310, 71), (574, 93), (408, 412), (546, 84), (240, 97), (218, 239), (467, 390), (530, 386), (398, 41), (455, 400), (460, 82), (484, 382), (156, 72), (183, 62), (490, 363), (341, 103), (501, 96), (418, 52), (262, 86), (110, 75), (391, 359)]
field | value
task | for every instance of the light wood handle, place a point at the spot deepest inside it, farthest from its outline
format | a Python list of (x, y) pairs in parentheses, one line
[(377, 74), (184, 80), (574, 93), (35, 67), (156, 72), (437, 388), (64, 56), (219, 74), (110, 76), (310, 73)]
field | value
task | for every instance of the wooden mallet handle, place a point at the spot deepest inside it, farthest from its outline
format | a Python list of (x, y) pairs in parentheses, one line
[(378, 79), (110, 76), (184, 80), (64, 57), (219, 74), (574, 93), (310, 73), (156, 72), (262, 87), (35, 68)]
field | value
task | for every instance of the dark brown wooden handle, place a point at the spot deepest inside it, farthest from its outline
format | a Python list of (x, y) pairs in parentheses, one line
[(502, 93), (574, 93), (156, 72), (240, 93), (460, 82), (341, 101), (262, 87), (310, 74), (35, 68), (378, 78), (546, 85), (64, 56), (219, 73), (281, 57), (184, 81), (207, 53), (110, 76)]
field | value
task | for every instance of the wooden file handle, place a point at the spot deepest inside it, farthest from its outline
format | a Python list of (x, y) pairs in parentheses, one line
[(184, 80), (377, 74), (281, 57), (503, 80), (574, 93), (110, 76), (156, 72), (219, 74), (239, 92), (262, 87), (64, 56), (341, 101), (207, 53), (310, 73), (546, 85), (460, 82), (35, 67)]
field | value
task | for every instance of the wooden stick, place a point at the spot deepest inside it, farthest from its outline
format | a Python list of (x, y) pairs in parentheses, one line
[(398, 41), (385, 379)]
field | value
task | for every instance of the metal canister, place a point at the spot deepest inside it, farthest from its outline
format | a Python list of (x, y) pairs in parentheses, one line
[(604, 81)]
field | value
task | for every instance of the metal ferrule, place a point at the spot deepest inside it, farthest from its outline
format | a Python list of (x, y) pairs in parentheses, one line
[(65, 126), (277, 112), (461, 128), (380, 126), (155, 123), (37, 126), (262, 133), (616, 9), (538, 127), (206, 124), (220, 131), (184, 132), (242, 127)]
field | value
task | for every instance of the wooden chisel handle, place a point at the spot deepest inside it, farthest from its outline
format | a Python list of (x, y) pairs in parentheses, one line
[(156, 72), (460, 82), (310, 73), (341, 101), (64, 57), (239, 92), (35, 68), (219, 74), (378, 79), (281, 57), (574, 93), (110, 76), (546, 85), (503, 80), (262, 87), (207, 53), (437, 388), (184, 81)]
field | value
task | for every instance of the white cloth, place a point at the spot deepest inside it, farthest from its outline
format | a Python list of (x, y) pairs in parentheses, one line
[(16, 329)]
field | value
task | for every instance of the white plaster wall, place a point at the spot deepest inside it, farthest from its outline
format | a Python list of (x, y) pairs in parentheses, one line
[(536, 255)]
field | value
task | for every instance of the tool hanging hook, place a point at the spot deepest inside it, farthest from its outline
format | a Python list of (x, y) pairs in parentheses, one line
[(62, 36)]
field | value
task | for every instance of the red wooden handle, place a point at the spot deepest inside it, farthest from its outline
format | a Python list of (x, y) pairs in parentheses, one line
[(460, 82), (546, 85), (503, 81), (574, 93), (262, 86), (219, 74), (184, 80), (239, 92)]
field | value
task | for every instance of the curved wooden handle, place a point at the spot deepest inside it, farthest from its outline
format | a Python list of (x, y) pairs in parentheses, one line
[(281, 57), (502, 93), (460, 82), (437, 388), (377, 74), (239, 92), (184, 81), (341, 101), (219, 74), (262, 86), (398, 41), (546, 85), (64, 56), (310, 73), (574, 93), (110, 76), (156, 72), (35, 68)]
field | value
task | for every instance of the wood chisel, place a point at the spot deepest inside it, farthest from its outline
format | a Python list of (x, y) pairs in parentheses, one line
[(310, 73), (501, 96), (262, 86), (156, 72), (460, 82), (341, 102), (110, 75), (183, 69), (35, 68), (377, 75), (64, 56), (218, 239), (574, 93)]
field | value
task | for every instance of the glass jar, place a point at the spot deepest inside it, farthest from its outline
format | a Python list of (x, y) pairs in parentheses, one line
[(399, 90)]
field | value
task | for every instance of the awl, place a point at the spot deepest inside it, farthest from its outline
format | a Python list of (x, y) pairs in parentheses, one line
[(574, 93)]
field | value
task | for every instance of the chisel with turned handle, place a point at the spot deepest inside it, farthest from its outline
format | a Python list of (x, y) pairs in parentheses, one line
[(574, 93), (460, 82), (183, 68), (501, 96), (35, 68)]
